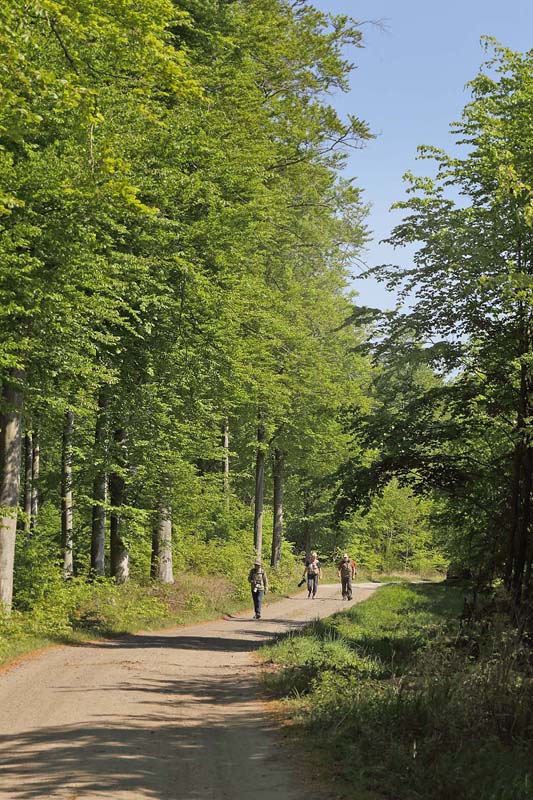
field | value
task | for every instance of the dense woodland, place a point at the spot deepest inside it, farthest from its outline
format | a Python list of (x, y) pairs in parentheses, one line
[(187, 374)]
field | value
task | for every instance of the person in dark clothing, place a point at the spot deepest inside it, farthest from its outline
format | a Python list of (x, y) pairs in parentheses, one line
[(346, 571), (259, 585)]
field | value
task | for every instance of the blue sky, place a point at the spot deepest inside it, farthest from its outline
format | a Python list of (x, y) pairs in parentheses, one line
[(408, 86)]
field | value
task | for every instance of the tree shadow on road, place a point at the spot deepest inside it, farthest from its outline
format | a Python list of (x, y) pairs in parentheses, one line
[(156, 753), (242, 639)]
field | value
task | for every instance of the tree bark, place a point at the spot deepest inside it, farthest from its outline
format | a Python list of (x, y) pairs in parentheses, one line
[(98, 528), (36, 472), (28, 478), (307, 524), (515, 513), (524, 528), (277, 532), (10, 462), (520, 531), (161, 566), (67, 514), (526, 591), (259, 489), (119, 552), (225, 465)]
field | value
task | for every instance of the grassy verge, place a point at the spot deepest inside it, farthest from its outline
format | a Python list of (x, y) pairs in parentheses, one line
[(396, 700), (80, 611), (329, 575)]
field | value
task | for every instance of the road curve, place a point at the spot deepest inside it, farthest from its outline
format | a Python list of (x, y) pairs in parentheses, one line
[(174, 715)]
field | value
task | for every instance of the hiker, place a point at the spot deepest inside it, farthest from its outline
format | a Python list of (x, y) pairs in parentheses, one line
[(313, 572), (259, 584), (346, 571)]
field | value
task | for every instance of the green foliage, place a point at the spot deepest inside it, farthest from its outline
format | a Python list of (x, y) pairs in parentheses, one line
[(395, 696), (396, 533), (175, 241), (451, 412)]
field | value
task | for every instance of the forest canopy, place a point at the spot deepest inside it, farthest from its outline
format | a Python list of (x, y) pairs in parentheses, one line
[(185, 370)]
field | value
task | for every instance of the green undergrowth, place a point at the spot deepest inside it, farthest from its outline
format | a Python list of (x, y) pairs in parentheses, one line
[(78, 610), (396, 698)]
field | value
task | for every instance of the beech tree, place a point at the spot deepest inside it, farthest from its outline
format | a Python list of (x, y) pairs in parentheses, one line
[(175, 243), (471, 280)]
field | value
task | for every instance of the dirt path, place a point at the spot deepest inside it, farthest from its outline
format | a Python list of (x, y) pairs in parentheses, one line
[(155, 716)]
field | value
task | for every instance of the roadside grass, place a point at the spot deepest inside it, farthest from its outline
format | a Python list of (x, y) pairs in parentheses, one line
[(329, 575), (78, 611), (398, 699)]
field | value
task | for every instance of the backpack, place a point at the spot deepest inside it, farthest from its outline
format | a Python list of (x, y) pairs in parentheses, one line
[(257, 579)]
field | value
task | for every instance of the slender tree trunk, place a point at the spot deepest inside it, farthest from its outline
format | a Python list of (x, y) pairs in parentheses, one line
[(28, 478), (518, 566), (35, 481), (98, 529), (277, 532), (10, 462), (525, 528), (161, 567), (120, 569), (522, 529), (225, 465), (518, 460), (527, 587), (259, 489), (307, 523), (154, 556), (515, 512), (307, 544), (67, 513)]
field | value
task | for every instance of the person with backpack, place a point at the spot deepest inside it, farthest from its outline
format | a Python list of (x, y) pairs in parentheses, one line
[(346, 571), (313, 572), (259, 585)]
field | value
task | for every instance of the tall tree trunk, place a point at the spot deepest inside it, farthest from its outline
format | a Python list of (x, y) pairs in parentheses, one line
[(98, 528), (154, 555), (515, 513), (524, 529), (277, 532), (67, 514), (120, 569), (225, 465), (28, 479), (259, 488), (518, 462), (161, 566), (36, 472), (307, 523), (527, 587), (10, 462)]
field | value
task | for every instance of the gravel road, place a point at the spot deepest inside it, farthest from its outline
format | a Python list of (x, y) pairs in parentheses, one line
[(174, 715)]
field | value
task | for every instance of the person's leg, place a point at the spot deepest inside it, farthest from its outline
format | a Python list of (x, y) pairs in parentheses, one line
[(349, 587), (259, 604), (309, 586), (254, 597), (315, 585), (343, 585)]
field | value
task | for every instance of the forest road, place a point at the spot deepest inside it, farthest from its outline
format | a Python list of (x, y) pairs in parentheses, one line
[(174, 715)]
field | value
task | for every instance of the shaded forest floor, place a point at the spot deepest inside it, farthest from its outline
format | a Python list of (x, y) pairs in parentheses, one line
[(402, 700)]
